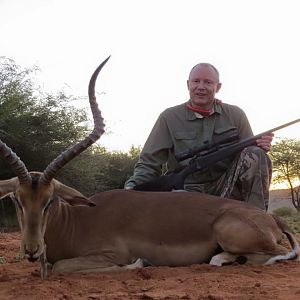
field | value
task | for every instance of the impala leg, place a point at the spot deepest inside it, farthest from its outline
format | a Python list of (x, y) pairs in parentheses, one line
[(44, 265), (226, 258), (223, 258), (255, 236), (93, 264)]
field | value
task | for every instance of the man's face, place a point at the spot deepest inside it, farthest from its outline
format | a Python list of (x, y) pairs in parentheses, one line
[(203, 84)]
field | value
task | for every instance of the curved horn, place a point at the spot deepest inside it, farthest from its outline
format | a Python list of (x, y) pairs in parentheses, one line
[(75, 150), (15, 163)]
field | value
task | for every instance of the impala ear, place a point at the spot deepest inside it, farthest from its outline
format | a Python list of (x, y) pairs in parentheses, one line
[(76, 201), (70, 195), (7, 187)]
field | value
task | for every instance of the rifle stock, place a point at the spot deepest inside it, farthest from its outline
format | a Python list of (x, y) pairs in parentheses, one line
[(176, 180)]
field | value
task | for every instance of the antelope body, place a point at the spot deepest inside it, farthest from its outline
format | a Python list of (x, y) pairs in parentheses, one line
[(123, 229)]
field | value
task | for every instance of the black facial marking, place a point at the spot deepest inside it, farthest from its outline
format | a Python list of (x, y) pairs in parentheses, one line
[(34, 182)]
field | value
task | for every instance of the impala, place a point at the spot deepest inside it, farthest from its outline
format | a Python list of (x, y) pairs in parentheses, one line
[(123, 229)]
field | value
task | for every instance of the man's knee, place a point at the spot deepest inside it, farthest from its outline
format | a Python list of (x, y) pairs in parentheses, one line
[(255, 163), (257, 157), (256, 150)]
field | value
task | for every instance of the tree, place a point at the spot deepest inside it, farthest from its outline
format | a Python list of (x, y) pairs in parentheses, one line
[(37, 126), (116, 168), (285, 155), (99, 170)]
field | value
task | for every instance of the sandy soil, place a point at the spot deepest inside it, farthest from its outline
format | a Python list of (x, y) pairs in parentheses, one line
[(20, 280)]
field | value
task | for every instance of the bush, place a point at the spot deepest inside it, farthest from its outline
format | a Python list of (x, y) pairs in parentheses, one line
[(284, 212), (2, 260), (7, 213), (291, 217)]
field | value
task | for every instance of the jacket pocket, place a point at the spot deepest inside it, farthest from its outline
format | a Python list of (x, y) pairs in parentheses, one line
[(225, 130), (185, 135), (221, 133), (184, 140)]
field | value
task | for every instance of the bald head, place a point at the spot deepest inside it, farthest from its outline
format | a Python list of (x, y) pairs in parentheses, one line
[(206, 65)]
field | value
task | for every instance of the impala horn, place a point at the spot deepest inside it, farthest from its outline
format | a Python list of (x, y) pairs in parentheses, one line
[(58, 163), (15, 163)]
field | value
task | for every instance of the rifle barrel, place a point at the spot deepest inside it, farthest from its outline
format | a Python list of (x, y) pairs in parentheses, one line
[(279, 127), (214, 157)]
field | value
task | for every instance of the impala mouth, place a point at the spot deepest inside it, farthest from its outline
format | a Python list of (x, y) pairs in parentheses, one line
[(32, 258)]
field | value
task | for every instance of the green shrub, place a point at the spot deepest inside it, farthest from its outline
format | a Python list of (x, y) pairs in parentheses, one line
[(2, 260), (284, 212), (18, 257), (291, 217)]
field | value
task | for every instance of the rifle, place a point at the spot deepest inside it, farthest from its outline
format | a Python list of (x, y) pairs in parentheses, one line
[(227, 139), (203, 157)]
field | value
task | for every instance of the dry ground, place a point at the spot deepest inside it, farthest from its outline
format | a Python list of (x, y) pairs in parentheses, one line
[(20, 280)]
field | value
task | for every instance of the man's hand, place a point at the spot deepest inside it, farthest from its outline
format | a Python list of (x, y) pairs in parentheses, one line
[(265, 142)]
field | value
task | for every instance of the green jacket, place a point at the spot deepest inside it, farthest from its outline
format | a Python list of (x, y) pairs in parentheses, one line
[(178, 129)]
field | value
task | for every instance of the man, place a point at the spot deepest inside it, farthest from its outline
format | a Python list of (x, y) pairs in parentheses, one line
[(205, 119)]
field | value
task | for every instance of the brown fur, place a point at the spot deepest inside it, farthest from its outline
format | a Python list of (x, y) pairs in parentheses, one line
[(163, 228)]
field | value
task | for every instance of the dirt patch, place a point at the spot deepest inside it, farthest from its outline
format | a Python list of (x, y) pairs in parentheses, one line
[(20, 280)]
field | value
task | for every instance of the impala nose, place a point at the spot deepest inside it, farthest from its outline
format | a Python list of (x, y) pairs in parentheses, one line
[(31, 253)]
